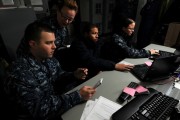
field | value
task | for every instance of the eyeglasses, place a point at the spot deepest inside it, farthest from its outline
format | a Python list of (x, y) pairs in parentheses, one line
[(70, 19)]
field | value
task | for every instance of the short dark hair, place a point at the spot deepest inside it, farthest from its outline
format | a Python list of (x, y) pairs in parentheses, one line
[(120, 23), (87, 27), (71, 4), (126, 22), (32, 32)]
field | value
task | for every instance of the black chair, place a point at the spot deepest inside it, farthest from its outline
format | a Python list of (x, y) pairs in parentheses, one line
[(7, 111)]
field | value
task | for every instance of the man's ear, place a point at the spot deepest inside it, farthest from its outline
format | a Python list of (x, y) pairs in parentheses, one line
[(32, 43)]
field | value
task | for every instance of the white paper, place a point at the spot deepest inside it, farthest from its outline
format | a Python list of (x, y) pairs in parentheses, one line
[(7, 2), (36, 2), (89, 106), (101, 110), (177, 85), (126, 63)]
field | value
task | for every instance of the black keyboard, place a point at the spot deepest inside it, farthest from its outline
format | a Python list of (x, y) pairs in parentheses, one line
[(162, 54), (165, 54), (154, 106), (140, 70)]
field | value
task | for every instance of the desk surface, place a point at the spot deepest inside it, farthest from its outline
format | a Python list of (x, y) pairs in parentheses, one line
[(115, 81)]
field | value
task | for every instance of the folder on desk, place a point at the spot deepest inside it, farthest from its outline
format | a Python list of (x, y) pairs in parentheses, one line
[(161, 68)]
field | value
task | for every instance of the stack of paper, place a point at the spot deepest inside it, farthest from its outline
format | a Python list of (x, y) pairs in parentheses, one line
[(100, 109)]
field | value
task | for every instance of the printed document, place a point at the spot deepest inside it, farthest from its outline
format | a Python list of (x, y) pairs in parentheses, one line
[(100, 109)]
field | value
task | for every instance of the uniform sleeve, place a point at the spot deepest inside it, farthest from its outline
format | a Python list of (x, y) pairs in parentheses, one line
[(130, 51), (39, 100), (87, 59), (65, 82)]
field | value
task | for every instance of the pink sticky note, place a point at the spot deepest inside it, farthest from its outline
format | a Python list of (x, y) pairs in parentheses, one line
[(141, 89), (148, 63), (129, 91)]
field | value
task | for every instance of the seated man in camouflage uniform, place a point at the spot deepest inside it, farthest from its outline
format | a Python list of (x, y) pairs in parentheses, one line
[(31, 80)]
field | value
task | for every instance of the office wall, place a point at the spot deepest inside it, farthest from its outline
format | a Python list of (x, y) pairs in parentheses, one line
[(84, 10), (173, 34), (141, 4), (12, 26)]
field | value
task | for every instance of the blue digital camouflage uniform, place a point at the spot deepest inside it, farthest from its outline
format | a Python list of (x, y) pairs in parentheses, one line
[(119, 47), (130, 51), (30, 84), (61, 33)]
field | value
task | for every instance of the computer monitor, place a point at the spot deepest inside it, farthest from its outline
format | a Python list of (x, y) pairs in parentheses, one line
[(161, 68)]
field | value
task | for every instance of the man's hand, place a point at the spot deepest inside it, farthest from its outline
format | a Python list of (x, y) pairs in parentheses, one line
[(87, 92), (123, 67), (154, 52), (81, 73)]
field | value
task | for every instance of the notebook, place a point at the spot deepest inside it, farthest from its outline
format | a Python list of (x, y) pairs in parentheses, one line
[(165, 54), (161, 68)]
